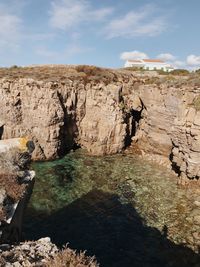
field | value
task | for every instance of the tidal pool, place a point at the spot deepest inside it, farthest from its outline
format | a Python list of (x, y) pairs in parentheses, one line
[(122, 209)]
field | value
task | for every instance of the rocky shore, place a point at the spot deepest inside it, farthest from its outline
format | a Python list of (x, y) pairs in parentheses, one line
[(103, 110), (42, 253), (16, 184)]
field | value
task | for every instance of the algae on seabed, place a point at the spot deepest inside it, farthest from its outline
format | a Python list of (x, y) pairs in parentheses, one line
[(120, 208)]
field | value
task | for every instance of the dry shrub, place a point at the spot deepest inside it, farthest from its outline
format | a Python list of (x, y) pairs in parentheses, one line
[(44, 73), (181, 72), (162, 72), (88, 70), (47, 73), (58, 73), (96, 74), (13, 189), (11, 184), (82, 73), (11, 162), (70, 258), (176, 72), (135, 68)]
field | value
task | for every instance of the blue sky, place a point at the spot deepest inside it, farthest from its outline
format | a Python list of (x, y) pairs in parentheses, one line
[(102, 33)]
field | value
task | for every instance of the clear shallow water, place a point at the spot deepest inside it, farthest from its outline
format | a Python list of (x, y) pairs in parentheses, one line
[(125, 211)]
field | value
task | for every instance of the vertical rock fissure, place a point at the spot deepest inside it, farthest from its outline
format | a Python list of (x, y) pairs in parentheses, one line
[(132, 122), (136, 116), (174, 165), (1, 131), (67, 131)]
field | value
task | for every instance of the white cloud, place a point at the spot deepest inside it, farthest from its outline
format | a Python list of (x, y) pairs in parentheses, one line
[(13, 6), (39, 36), (65, 14), (176, 63), (143, 22), (10, 29), (179, 64), (133, 55), (45, 52), (74, 49), (193, 60), (69, 51), (166, 57)]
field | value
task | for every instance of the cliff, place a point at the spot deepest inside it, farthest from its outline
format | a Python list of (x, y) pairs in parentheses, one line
[(104, 111), (169, 129), (82, 109)]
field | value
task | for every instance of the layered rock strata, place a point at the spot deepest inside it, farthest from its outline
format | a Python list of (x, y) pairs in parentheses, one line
[(58, 115), (169, 129), (103, 111)]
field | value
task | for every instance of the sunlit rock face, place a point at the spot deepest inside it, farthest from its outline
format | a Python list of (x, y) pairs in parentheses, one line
[(58, 115), (16, 183), (104, 111), (169, 130)]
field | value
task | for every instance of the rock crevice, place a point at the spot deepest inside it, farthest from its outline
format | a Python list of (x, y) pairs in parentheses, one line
[(105, 114)]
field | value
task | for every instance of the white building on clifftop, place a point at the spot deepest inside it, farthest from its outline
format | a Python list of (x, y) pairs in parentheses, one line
[(149, 64)]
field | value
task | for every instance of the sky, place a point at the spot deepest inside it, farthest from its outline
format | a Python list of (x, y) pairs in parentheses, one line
[(102, 33)]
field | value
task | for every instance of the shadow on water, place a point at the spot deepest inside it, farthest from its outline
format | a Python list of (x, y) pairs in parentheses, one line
[(99, 223)]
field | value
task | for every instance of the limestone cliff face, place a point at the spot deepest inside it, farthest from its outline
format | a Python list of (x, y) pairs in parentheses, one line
[(32, 109), (169, 130), (58, 115), (102, 113)]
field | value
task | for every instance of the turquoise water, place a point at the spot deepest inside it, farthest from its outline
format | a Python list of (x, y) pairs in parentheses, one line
[(120, 208)]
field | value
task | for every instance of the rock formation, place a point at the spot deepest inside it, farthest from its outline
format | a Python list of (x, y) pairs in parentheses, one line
[(42, 253), (103, 110), (169, 129), (16, 183), (59, 114), (27, 254)]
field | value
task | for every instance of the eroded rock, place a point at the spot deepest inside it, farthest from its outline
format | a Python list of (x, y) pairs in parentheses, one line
[(102, 110), (16, 183)]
